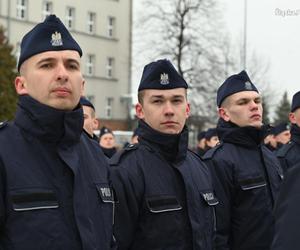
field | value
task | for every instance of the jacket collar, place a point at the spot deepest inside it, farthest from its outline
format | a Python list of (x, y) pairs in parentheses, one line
[(49, 124), (245, 136), (172, 147)]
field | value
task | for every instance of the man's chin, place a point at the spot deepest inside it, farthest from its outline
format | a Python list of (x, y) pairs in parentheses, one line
[(257, 124)]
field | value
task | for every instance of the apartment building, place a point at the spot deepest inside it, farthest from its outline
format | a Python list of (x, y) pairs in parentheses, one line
[(103, 30)]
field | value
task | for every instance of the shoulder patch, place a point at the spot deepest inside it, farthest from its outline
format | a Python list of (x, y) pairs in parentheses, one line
[(284, 149), (3, 124), (115, 160), (210, 153)]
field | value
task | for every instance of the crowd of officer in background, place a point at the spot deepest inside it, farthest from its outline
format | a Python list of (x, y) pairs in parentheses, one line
[(62, 187)]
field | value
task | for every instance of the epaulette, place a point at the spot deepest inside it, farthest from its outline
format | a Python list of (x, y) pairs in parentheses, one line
[(3, 124), (115, 160), (210, 153), (284, 149)]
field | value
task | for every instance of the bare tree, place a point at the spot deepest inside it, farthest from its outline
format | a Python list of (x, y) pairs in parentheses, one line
[(187, 32), (192, 35)]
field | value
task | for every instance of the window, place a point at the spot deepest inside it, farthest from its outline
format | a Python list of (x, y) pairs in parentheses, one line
[(108, 107), (22, 9), (111, 26), (47, 9), (70, 18), (110, 67), (91, 23), (90, 65)]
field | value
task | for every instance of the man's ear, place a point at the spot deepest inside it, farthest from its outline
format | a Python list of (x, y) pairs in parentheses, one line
[(292, 118), (188, 110), (95, 124), (20, 85), (82, 87), (223, 113), (139, 111)]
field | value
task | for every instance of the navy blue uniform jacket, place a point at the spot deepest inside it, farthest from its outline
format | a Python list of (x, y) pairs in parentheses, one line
[(54, 190), (289, 154), (287, 219), (247, 177), (164, 193)]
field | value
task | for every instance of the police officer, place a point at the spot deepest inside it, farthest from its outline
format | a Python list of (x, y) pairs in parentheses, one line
[(282, 134), (164, 191), (211, 138), (107, 142), (289, 154), (246, 174), (269, 138), (54, 192), (90, 122), (201, 143), (287, 208)]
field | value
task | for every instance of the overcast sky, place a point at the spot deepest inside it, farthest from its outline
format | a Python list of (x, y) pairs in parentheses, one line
[(273, 32)]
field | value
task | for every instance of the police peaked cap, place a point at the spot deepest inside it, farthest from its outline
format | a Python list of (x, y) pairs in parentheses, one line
[(50, 35), (161, 74), (210, 133), (201, 135), (234, 84), (295, 101), (280, 128), (86, 102), (105, 130)]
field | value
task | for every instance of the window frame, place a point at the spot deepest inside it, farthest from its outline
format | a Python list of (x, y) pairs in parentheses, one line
[(70, 19), (91, 22), (46, 12), (22, 8)]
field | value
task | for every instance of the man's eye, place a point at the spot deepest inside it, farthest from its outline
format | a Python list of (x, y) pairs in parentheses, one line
[(46, 66), (258, 101), (73, 66), (157, 101), (177, 101)]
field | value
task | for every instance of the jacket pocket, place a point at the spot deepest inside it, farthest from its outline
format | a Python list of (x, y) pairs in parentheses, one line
[(163, 203), (33, 199), (252, 183)]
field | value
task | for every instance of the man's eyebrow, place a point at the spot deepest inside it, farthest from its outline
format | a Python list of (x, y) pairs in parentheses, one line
[(156, 96), (47, 59), (162, 96), (248, 99), (71, 60), (243, 99)]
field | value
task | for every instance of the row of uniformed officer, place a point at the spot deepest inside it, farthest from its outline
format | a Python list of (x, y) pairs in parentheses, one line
[(54, 190)]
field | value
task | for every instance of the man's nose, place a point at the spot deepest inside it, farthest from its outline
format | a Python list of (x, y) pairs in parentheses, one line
[(253, 105), (62, 73), (168, 109)]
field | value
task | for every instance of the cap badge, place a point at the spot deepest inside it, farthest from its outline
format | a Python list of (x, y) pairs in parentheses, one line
[(164, 79), (56, 39), (248, 86)]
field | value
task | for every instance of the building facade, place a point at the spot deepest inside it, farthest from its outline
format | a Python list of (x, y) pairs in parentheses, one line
[(103, 30)]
